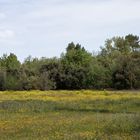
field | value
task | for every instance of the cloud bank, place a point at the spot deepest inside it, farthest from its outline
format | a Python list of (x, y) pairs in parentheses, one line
[(45, 27)]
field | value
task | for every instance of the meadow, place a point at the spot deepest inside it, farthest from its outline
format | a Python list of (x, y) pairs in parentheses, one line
[(70, 115)]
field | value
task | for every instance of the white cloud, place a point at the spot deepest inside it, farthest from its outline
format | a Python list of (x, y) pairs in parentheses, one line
[(85, 20), (102, 12), (6, 34), (51, 24), (2, 16)]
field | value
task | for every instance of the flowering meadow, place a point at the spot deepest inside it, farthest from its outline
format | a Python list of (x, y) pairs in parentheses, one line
[(70, 115)]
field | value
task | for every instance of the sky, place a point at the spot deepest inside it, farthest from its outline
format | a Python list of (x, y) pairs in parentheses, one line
[(45, 27)]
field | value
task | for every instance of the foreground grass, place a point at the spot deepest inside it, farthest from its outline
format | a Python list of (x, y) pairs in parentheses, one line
[(69, 115)]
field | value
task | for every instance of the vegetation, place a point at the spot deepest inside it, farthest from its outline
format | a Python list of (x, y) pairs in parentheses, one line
[(116, 66), (69, 115)]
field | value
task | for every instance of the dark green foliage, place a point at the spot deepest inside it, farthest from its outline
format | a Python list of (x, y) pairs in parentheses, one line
[(2, 79), (124, 76), (121, 58), (116, 66), (76, 67), (50, 74), (10, 67)]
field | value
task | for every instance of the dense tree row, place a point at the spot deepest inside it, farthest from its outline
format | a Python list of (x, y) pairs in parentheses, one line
[(116, 66)]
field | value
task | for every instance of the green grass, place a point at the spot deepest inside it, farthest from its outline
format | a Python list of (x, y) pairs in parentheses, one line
[(70, 115)]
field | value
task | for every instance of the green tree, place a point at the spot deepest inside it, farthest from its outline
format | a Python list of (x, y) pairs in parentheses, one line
[(76, 64), (12, 66)]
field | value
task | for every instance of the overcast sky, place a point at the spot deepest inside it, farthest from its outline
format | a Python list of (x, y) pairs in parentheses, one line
[(45, 27)]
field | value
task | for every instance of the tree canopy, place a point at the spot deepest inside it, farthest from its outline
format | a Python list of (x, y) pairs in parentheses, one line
[(116, 66)]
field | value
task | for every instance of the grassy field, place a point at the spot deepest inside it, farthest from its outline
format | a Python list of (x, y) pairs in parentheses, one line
[(70, 115)]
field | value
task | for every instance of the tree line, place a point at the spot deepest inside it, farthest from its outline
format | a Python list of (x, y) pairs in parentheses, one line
[(117, 66)]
